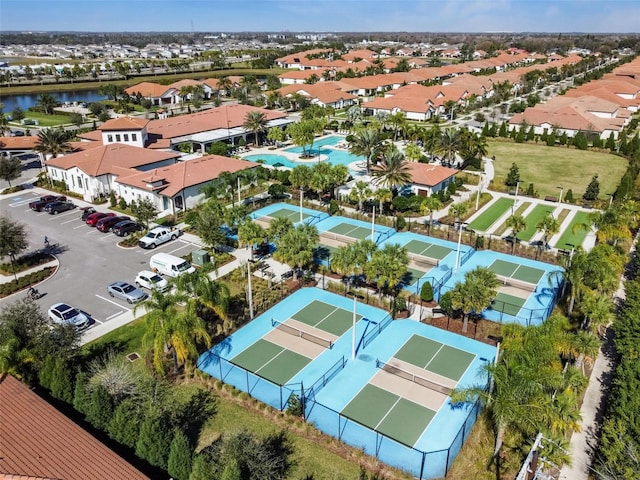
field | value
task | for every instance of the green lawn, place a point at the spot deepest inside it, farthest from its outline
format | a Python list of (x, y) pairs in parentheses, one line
[(537, 214), (489, 217), (551, 167), (44, 120), (569, 237)]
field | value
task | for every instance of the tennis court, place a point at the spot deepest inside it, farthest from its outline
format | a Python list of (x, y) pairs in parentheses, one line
[(325, 317), (349, 230), (408, 390), (516, 274), (425, 252)]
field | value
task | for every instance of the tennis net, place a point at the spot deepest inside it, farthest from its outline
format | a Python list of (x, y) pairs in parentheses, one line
[(336, 240), (412, 377), (422, 260), (311, 337), (511, 282)]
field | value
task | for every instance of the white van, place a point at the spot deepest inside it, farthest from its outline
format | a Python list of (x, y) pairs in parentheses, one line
[(169, 265)]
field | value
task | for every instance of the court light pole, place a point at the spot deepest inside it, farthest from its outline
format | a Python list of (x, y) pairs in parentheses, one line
[(250, 290), (301, 197), (353, 335), (460, 226), (561, 192), (515, 201), (373, 224)]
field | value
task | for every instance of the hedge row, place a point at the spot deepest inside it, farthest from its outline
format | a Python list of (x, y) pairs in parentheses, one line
[(8, 288)]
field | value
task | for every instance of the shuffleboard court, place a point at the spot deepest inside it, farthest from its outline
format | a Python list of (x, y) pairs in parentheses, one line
[(533, 219), (389, 414), (271, 361), (491, 215), (575, 233), (323, 316)]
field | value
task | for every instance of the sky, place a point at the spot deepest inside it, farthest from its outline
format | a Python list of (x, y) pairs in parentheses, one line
[(588, 16)]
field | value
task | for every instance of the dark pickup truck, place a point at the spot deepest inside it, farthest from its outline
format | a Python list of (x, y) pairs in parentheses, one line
[(38, 205)]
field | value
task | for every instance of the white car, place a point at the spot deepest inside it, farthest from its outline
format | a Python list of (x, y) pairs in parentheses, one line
[(64, 314), (151, 280)]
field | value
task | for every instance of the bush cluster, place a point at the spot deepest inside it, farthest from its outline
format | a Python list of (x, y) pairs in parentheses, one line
[(24, 281)]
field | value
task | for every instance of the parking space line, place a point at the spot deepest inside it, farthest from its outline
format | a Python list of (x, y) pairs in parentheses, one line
[(186, 245), (114, 315), (80, 226), (107, 236), (69, 221), (19, 203), (60, 215), (111, 301)]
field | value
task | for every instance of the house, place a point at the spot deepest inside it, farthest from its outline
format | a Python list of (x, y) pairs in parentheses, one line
[(179, 185), (158, 94), (427, 178), (325, 94), (18, 145), (39, 442)]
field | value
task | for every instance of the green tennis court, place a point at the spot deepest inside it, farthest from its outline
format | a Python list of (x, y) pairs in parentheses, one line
[(292, 215), (516, 271), (271, 361), (326, 317), (427, 249), (436, 357), (389, 414), (533, 219), (508, 304), (491, 214), (349, 230), (569, 237), (412, 276)]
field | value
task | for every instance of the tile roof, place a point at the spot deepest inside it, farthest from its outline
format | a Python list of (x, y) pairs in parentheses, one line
[(428, 174), (172, 179), (124, 123), (325, 92), (39, 442), (18, 143), (102, 159), (94, 136), (228, 116), (187, 82), (148, 89)]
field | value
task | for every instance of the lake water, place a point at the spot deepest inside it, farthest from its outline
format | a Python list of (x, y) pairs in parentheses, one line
[(27, 101)]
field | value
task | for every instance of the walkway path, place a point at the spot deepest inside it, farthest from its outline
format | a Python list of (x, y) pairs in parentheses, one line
[(583, 442)]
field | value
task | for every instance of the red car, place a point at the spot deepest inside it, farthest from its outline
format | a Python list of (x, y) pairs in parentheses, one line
[(94, 217), (105, 224)]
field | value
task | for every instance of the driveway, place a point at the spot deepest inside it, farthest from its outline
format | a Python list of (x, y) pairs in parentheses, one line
[(89, 260)]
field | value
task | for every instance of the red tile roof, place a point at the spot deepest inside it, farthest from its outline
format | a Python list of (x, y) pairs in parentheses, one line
[(148, 89), (18, 143), (174, 178), (37, 441), (102, 159), (428, 174), (124, 123)]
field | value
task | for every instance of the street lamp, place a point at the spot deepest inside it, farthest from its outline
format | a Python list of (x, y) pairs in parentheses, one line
[(461, 225), (515, 201), (560, 197), (611, 198), (480, 185)]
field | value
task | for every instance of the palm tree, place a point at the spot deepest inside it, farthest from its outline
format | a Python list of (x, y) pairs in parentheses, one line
[(449, 144), (52, 141), (428, 206), (360, 192), (344, 262), (549, 225), (597, 310), (225, 84), (517, 223), (393, 171), (389, 264), (397, 120), (296, 246), (475, 294), (250, 234), (278, 227), (382, 195), (366, 143), (4, 124), (431, 139), (255, 122), (47, 102), (204, 292)]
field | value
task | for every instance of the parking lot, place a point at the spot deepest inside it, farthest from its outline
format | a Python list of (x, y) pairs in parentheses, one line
[(89, 259)]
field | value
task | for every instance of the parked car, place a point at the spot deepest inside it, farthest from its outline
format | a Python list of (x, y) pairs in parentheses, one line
[(126, 291), (151, 280), (158, 236), (95, 217), (125, 228), (38, 205), (64, 314), (55, 208), (105, 224), (86, 211)]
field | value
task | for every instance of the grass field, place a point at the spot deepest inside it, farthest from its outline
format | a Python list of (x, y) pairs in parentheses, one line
[(569, 237), (551, 167), (43, 119), (489, 217)]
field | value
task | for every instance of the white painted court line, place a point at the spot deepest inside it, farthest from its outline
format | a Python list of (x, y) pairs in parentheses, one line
[(111, 301), (434, 356), (387, 414), (272, 359)]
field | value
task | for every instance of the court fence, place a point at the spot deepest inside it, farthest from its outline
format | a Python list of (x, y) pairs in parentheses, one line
[(372, 334), (421, 464)]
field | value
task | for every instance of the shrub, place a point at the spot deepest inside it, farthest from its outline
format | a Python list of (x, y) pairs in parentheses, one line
[(426, 292), (122, 204), (401, 223)]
